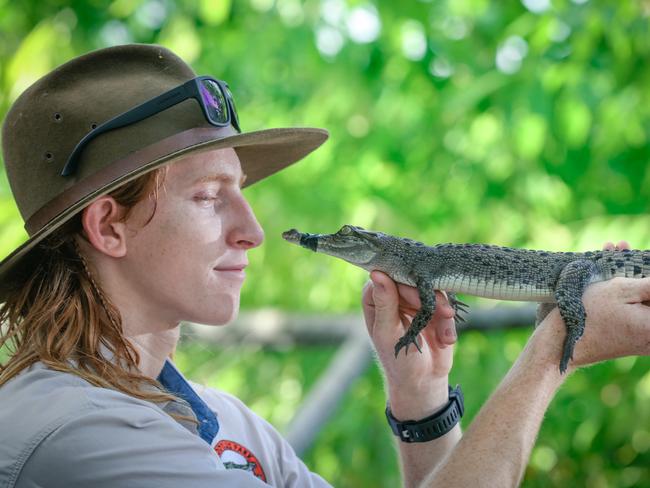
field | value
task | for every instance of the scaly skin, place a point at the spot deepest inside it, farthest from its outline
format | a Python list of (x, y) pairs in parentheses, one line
[(556, 278)]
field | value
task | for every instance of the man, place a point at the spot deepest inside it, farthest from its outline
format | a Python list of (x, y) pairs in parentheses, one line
[(129, 170)]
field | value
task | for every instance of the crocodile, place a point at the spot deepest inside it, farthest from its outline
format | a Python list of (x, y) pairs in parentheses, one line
[(505, 273)]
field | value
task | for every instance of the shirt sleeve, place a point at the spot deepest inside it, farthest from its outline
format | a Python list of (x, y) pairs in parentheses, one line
[(134, 446)]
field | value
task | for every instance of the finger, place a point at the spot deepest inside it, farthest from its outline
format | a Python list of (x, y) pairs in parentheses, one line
[(385, 301), (368, 305), (444, 327), (622, 245), (427, 335), (409, 295), (407, 303), (446, 332), (406, 321), (440, 331), (609, 246), (440, 324), (408, 311), (443, 307), (410, 300)]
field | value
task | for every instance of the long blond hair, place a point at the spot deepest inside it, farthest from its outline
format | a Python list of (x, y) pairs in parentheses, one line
[(60, 316)]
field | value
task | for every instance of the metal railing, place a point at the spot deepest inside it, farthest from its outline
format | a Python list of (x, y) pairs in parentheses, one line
[(275, 328)]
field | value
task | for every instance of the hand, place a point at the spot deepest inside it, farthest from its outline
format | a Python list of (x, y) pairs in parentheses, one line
[(617, 325), (610, 246), (618, 319), (416, 383)]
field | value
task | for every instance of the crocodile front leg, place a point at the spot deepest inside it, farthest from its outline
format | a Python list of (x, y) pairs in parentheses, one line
[(422, 317), (571, 284)]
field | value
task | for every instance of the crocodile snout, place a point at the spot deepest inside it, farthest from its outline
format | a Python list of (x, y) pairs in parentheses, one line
[(292, 235), (310, 241)]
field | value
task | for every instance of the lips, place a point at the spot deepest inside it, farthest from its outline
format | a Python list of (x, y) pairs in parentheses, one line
[(235, 267), (231, 271)]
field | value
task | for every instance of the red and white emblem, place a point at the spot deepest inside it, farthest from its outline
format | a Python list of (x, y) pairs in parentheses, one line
[(235, 456)]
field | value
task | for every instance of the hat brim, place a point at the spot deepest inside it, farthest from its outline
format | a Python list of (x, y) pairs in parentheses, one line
[(262, 153)]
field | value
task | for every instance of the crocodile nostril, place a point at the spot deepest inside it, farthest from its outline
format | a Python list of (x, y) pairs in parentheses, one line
[(58, 117)]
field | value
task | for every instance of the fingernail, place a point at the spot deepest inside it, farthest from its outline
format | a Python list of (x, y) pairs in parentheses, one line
[(373, 278), (379, 286), (450, 333)]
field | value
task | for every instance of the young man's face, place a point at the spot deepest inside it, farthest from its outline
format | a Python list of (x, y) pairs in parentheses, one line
[(187, 264)]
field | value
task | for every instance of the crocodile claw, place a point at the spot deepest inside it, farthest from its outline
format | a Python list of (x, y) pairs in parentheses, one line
[(458, 306), (459, 316), (567, 351), (405, 341)]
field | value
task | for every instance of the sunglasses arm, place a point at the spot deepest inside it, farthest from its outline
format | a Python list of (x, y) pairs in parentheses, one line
[(141, 112)]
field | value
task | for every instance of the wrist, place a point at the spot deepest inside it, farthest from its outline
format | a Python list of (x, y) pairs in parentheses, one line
[(433, 426), (542, 354), (419, 402)]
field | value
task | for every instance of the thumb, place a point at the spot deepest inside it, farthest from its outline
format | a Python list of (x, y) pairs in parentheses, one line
[(386, 299)]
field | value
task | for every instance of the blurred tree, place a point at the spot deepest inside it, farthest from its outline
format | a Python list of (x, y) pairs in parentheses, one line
[(517, 123)]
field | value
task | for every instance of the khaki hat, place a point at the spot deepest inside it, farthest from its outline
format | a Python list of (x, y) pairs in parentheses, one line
[(50, 118)]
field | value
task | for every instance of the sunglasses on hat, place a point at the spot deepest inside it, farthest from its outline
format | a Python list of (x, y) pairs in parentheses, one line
[(213, 96)]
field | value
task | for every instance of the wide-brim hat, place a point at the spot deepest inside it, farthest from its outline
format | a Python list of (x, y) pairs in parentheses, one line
[(47, 121)]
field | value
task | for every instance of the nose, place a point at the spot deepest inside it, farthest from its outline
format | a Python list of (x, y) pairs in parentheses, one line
[(246, 232)]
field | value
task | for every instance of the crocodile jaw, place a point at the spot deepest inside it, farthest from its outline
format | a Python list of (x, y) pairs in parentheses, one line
[(310, 241), (353, 252)]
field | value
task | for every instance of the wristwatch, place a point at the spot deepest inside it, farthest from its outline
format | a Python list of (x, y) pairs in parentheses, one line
[(433, 426)]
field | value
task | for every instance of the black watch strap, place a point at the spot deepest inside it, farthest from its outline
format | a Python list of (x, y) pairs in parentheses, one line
[(433, 426)]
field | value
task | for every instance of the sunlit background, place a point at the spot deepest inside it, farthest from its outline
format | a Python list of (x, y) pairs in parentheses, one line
[(520, 123)]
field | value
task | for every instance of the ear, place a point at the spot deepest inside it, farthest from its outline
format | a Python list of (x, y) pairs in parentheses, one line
[(102, 223)]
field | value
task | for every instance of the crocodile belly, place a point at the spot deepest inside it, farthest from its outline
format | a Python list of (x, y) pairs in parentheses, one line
[(497, 289)]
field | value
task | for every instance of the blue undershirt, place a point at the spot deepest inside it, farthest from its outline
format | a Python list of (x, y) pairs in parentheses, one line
[(174, 382)]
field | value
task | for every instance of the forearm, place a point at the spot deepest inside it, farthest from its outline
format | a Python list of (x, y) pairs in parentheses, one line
[(417, 384), (419, 458), (495, 449)]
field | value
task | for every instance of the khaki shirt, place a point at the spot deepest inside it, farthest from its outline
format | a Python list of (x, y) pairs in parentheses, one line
[(57, 430)]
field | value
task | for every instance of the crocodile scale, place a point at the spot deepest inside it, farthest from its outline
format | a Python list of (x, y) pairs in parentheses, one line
[(557, 278)]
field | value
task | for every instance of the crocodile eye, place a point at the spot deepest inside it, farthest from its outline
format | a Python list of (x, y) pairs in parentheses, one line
[(346, 230)]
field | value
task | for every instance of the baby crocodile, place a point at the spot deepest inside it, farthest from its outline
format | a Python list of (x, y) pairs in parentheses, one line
[(552, 278)]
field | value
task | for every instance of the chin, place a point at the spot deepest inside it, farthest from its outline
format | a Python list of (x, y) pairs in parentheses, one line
[(230, 318), (227, 311)]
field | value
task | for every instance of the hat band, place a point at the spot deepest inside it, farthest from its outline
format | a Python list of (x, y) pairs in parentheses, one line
[(213, 96), (100, 182)]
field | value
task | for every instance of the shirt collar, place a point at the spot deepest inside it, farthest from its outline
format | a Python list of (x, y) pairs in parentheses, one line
[(175, 383)]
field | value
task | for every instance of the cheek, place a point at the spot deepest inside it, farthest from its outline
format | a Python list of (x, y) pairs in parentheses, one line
[(179, 243), (160, 249), (195, 225)]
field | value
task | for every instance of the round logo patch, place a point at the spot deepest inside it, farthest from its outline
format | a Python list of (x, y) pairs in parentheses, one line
[(235, 456)]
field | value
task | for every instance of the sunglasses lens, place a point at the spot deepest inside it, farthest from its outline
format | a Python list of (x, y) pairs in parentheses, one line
[(232, 106), (214, 102)]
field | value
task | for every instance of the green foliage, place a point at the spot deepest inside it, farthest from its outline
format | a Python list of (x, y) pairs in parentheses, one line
[(463, 120)]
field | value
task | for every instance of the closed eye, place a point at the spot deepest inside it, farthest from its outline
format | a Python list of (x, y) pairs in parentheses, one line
[(207, 199)]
